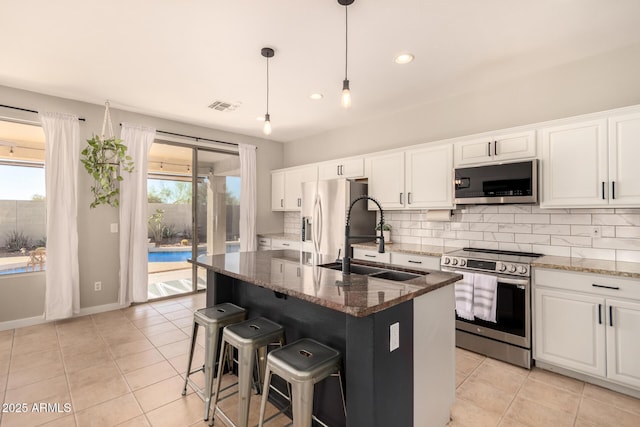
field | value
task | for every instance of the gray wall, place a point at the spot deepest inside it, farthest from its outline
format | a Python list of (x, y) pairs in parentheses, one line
[(98, 247), (593, 84)]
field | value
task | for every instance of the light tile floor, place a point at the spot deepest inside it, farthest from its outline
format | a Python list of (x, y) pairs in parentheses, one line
[(126, 367), (492, 393)]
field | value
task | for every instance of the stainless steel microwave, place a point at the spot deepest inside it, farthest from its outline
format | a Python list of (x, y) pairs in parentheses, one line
[(497, 184)]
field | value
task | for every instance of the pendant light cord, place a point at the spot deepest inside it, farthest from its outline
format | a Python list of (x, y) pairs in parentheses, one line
[(267, 85), (346, 40)]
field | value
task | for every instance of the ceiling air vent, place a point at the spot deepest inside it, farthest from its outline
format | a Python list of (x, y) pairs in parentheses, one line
[(223, 106)]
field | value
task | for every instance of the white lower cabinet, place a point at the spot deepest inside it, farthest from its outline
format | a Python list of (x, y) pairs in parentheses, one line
[(415, 261), (568, 332), (371, 255), (588, 323), (623, 342)]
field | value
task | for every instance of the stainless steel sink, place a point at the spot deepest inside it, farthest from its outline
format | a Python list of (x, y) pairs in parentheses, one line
[(398, 276), (365, 270), (378, 273)]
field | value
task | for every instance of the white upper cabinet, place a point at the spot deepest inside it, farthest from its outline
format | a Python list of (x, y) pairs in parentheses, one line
[(286, 187), (343, 168), (429, 177), (624, 154), (277, 191), (293, 180), (413, 179), (592, 163), (386, 179), (513, 146), (574, 164)]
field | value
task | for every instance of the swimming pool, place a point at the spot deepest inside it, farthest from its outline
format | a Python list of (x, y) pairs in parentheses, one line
[(171, 256)]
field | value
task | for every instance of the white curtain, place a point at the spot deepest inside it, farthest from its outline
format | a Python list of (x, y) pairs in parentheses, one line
[(134, 215), (248, 197), (62, 158)]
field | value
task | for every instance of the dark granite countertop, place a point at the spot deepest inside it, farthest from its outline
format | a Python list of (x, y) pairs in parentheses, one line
[(297, 274)]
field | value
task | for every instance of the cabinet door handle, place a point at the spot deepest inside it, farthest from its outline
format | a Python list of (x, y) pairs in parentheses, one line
[(282, 203), (341, 169), (414, 262), (338, 170), (610, 315), (616, 288), (495, 148), (402, 198), (613, 189), (299, 201), (599, 314), (370, 256), (409, 197), (489, 149), (602, 190), (286, 244)]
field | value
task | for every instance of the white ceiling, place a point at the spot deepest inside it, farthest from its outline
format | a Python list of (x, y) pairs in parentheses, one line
[(171, 59)]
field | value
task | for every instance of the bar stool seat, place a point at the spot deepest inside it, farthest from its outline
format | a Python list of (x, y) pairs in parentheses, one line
[(212, 319), (301, 364), (247, 337)]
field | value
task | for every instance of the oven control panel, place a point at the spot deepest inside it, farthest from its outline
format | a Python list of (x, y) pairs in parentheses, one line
[(515, 269)]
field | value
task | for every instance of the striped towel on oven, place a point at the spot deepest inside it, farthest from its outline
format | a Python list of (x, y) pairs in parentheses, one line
[(464, 295), (485, 296)]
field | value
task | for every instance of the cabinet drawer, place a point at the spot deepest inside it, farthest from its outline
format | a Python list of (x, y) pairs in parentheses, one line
[(264, 241), (598, 284), (372, 255), (285, 244), (415, 261)]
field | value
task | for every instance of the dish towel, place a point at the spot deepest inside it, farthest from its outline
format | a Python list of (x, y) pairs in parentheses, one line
[(485, 296), (464, 295)]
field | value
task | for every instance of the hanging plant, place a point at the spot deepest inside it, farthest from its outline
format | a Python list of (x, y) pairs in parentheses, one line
[(104, 158)]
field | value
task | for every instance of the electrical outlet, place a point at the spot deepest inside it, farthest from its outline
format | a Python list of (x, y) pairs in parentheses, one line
[(97, 286), (114, 227), (596, 231), (394, 336)]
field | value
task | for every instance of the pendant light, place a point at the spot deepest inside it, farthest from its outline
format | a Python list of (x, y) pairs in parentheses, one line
[(267, 52), (346, 92)]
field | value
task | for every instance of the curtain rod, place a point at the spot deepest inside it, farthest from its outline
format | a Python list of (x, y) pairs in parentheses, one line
[(195, 137), (32, 111)]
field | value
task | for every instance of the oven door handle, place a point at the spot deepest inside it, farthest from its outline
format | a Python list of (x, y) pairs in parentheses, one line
[(520, 283)]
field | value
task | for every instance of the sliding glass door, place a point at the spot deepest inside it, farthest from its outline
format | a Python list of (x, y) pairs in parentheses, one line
[(192, 211)]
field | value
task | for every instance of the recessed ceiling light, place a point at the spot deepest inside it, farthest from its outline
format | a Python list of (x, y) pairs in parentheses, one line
[(403, 58), (316, 96)]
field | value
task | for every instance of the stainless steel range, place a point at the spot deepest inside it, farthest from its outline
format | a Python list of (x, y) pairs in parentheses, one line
[(509, 339)]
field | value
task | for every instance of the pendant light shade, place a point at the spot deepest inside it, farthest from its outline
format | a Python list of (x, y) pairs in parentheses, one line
[(346, 91), (267, 52)]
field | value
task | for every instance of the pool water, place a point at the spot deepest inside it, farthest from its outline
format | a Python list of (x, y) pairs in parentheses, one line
[(173, 256)]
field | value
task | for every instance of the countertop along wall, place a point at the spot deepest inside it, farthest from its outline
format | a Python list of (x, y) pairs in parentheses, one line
[(22, 295)]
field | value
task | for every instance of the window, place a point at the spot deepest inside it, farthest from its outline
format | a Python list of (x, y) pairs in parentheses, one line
[(22, 199)]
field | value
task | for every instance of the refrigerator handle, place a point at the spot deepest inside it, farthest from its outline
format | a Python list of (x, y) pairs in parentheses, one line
[(317, 223)]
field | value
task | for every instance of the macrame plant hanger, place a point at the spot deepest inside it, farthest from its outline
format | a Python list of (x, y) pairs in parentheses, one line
[(107, 126)]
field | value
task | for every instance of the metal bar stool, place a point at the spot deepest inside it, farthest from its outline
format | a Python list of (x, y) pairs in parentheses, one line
[(212, 319), (302, 364), (247, 337)]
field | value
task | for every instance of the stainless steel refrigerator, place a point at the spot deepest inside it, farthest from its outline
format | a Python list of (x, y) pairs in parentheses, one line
[(324, 212)]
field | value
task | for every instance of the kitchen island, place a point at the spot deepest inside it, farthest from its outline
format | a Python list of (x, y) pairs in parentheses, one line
[(397, 338)]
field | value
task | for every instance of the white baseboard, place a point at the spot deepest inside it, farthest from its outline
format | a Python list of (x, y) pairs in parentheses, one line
[(37, 320)]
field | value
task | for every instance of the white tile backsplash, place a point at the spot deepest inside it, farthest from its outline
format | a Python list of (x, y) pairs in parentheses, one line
[(558, 232)]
